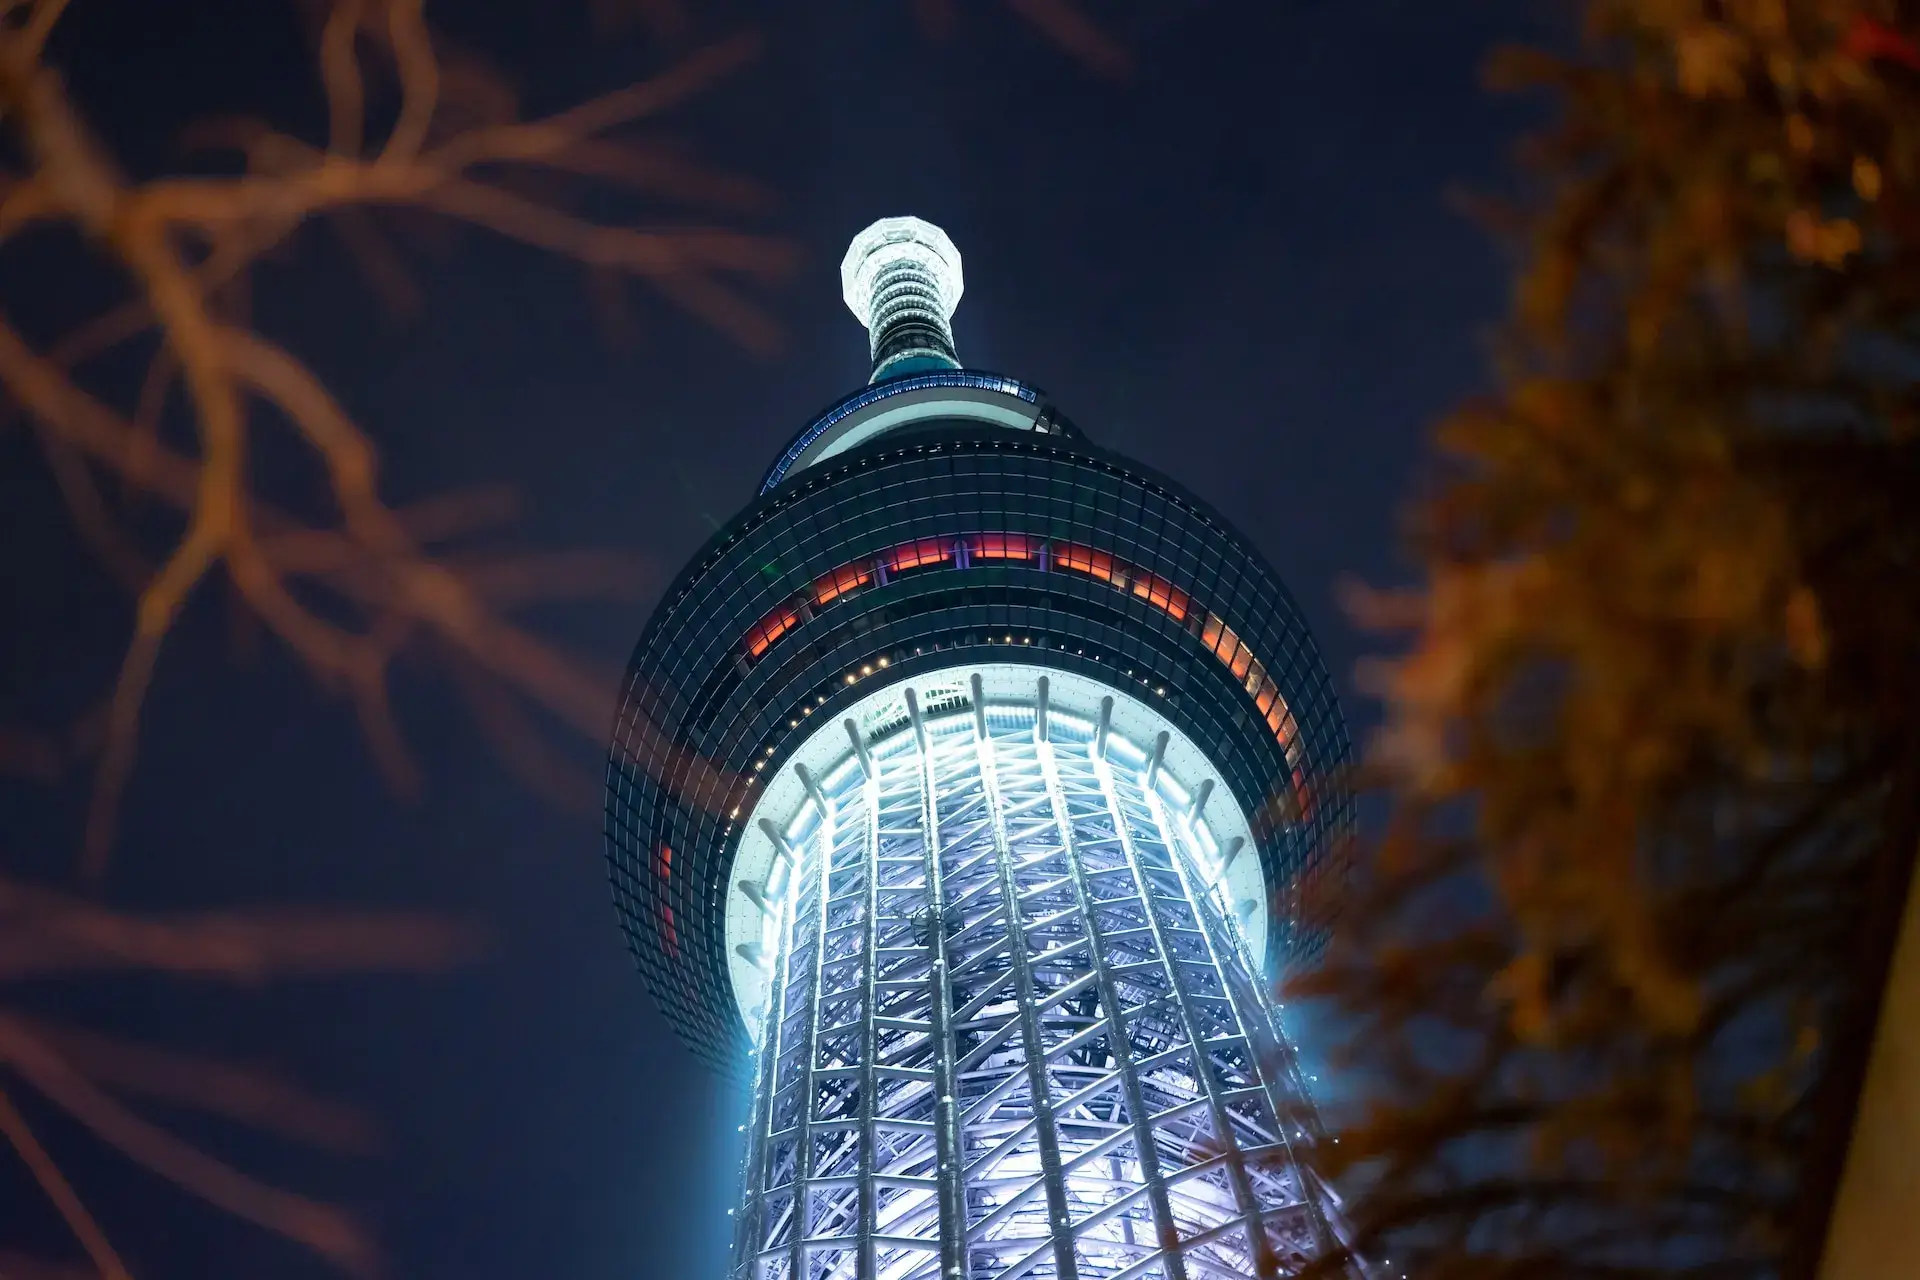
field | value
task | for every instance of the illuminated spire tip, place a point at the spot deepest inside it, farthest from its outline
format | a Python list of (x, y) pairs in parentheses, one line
[(902, 278)]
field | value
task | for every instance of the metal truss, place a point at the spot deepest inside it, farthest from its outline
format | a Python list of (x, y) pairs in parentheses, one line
[(1011, 1033)]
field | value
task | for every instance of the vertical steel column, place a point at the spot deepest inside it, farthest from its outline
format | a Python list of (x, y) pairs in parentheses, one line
[(1243, 1001), (803, 1123), (1137, 1114), (869, 1037), (952, 1187), (1325, 1237), (1202, 1060), (750, 1228), (1059, 1216)]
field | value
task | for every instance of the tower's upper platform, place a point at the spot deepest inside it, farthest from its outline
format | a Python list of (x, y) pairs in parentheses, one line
[(975, 396), (945, 520)]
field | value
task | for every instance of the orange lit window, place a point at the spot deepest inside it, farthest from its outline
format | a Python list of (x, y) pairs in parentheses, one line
[(1215, 634), (1159, 591), (1003, 546), (1255, 675), (1226, 646), (769, 629), (670, 935), (1097, 564), (911, 555), (829, 587), (1281, 721)]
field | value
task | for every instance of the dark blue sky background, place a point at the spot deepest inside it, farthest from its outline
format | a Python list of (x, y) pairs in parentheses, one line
[(1237, 265)]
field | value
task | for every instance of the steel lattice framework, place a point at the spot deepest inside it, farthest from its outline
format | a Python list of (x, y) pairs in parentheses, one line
[(1011, 1030)]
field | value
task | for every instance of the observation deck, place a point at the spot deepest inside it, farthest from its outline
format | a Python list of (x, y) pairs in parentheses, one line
[(941, 541)]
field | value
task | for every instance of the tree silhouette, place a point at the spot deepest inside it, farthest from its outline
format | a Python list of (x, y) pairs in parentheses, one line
[(1653, 745)]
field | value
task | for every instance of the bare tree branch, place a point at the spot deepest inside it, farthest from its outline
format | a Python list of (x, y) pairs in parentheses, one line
[(234, 379)]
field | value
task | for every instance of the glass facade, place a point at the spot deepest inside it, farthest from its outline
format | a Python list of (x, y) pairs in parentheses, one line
[(702, 725)]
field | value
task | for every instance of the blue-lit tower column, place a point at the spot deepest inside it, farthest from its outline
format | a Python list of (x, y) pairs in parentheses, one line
[(963, 796)]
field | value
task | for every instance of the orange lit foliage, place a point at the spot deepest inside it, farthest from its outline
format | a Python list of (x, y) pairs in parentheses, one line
[(1654, 744)]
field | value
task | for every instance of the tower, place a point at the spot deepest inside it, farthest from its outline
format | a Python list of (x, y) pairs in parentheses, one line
[(963, 795)]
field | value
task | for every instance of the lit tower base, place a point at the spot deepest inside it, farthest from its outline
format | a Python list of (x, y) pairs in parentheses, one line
[(964, 790)]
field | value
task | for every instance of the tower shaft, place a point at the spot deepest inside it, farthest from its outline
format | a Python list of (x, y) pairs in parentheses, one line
[(1011, 1032)]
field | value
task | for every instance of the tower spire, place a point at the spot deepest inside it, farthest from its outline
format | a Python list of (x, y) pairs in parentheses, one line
[(902, 278)]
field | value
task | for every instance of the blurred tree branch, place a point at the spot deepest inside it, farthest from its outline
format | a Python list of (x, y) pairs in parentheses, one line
[(46, 935), (1062, 23), (413, 130), (1654, 744), (416, 132), (346, 598)]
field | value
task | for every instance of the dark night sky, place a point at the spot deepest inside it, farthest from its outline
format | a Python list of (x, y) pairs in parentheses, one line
[(1236, 265)]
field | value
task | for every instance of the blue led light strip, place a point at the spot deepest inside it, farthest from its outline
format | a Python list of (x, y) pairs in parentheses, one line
[(880, 391)]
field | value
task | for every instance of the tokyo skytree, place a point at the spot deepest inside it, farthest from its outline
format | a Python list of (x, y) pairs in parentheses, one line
[(963, 797)]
